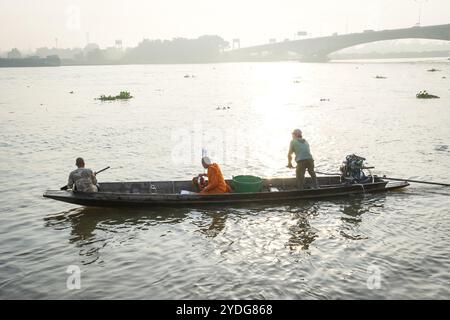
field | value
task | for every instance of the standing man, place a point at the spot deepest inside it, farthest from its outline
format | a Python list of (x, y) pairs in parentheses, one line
[(303, 157), (82, 179)]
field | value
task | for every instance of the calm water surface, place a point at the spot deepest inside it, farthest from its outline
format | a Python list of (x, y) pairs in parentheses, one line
[(329, 249)]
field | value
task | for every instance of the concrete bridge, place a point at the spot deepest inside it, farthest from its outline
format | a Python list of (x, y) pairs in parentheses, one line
[(317, 49)]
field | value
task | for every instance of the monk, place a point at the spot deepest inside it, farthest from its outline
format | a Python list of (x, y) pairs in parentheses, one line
[(216, 183)]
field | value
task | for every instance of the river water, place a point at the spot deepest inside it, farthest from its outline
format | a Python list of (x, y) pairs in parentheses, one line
[(384, 246)]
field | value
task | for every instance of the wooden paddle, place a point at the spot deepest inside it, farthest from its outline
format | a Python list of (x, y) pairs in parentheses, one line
[(396, 179), (96, 173), (418, 181)]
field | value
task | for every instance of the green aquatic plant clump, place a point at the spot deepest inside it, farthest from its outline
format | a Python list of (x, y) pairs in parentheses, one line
[(124, 95), (106, 98), (425, 95)]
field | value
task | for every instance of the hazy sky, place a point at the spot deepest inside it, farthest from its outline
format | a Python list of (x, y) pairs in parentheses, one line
[(28, 24)]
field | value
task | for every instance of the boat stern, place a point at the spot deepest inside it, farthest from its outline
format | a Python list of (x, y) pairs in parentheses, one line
[(396, 185)]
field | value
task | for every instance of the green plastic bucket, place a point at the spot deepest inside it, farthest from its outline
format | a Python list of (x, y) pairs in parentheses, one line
[(244, 184)]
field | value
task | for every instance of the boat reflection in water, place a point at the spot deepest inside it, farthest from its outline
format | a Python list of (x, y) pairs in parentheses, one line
[(302, 234), (352, 215), (94, 228), (331, 218), (253, 229)]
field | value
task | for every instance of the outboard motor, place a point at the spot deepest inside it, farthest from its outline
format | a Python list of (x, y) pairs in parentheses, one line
[(352, 169)]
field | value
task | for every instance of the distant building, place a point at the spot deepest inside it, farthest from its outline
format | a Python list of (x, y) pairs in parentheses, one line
[(61, 52), (236, 44), (33, 61), (14, 54), (113, 53), (91, 47)]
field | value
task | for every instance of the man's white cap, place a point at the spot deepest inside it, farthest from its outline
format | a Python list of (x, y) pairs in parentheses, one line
[(206, 160)]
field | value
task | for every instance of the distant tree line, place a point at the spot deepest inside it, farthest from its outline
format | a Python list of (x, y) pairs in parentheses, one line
[(15, 59), (179, 50)]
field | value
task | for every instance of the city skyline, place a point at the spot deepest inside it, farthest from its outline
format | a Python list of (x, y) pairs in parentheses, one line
[(67, 24)]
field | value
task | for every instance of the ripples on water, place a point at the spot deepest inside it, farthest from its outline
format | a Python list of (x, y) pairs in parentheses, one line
[(297, 250)]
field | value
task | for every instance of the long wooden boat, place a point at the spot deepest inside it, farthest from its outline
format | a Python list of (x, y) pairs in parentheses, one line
[(167, 193)]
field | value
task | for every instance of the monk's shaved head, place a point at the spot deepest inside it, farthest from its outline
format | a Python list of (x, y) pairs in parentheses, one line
[(206, 162)]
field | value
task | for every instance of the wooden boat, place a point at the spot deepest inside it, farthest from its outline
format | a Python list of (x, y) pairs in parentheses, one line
[(167, 193)]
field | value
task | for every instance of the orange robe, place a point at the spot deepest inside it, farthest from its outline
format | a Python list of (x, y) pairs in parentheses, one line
[(216, 182)]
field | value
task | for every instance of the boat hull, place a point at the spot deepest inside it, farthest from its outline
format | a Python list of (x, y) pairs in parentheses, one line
[(125, 199)]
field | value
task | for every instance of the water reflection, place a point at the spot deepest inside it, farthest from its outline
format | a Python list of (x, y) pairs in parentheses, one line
[(94, 228), (91, 229), (217, 224), (302, 234), (86, 221), (352, 212)]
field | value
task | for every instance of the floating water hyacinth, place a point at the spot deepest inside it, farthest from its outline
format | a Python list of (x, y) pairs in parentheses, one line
[(124, 95), (425, 95)]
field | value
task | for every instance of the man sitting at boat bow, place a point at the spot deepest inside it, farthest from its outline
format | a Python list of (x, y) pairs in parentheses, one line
[(82, 179), (216, 183)]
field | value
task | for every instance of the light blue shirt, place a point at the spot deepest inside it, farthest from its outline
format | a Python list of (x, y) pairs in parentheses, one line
[(301, 149)]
